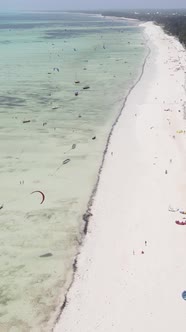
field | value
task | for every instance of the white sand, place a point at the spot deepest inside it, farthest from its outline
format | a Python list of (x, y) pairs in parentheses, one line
[(117, 288)]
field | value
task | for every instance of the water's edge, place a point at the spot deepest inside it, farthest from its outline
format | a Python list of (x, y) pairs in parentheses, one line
[(87, 215)]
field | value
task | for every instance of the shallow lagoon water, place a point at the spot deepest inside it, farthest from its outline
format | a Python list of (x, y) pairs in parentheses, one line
[(104, 54)]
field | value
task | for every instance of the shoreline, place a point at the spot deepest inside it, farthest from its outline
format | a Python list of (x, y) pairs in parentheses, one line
[(70, 134), (94, 202), (88, 213)]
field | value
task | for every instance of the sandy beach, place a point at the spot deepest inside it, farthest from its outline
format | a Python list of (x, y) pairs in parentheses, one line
[(131, 268)]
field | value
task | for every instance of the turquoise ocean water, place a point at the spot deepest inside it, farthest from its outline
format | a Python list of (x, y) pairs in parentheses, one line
[(42, 125)]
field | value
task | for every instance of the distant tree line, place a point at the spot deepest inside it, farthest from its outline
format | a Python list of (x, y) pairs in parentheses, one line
[(173, 22)]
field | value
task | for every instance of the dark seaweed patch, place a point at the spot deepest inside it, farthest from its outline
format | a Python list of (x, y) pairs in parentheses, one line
[(72, 33), (65, 34), (5, 42), (24, 26), (7, 101), (42, 100)]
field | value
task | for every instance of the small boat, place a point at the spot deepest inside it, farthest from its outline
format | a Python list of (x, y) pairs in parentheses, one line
[(26, 121), (66, 161)]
